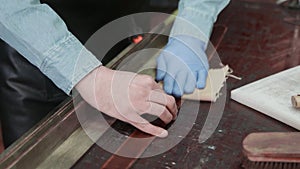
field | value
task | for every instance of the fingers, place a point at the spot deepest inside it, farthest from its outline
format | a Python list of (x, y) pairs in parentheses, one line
[(155, 102), (161, 68), (179, 84), (185, 82), (201, 78), (160, 111), (155, 94), (147, 127), (143, 125), (172, 106), (160, 106), (191, 84), (166, 101), (169, 82)]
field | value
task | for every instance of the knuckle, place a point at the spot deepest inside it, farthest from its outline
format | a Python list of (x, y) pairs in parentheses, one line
[(144, 93), (148, 80), (171, 100), (169, 117)]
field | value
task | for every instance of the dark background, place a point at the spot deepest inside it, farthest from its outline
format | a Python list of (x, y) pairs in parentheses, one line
[(85, 17)]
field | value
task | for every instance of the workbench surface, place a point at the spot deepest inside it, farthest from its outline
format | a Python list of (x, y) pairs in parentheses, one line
[(258, 43)]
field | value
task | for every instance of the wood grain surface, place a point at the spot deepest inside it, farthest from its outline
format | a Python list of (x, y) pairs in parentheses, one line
[(258, 43)]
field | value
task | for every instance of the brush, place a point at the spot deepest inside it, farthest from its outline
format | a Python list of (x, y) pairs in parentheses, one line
[(272, 150)]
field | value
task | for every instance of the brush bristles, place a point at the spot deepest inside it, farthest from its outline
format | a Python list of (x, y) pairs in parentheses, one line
[(269, 165)]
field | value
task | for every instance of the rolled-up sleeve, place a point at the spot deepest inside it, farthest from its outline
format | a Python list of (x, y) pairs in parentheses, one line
[(196, 17), (42, 37)]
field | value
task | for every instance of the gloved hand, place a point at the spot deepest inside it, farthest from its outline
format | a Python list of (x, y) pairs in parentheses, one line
[(182, 65)]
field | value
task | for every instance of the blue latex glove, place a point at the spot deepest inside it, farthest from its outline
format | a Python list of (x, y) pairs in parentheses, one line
[(182, 65)]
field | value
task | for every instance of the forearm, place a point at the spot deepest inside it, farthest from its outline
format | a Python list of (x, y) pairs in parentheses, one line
[(197, 17), (42, 37)]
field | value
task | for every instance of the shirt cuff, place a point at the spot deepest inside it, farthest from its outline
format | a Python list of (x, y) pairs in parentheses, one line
[(68, 62), (193, 23)]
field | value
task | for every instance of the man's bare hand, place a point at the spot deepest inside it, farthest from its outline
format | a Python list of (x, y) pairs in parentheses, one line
[(126, 96)]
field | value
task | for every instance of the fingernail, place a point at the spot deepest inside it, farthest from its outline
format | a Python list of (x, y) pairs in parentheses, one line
[(163, 134)]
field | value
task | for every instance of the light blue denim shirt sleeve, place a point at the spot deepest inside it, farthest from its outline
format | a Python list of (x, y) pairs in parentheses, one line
[(196, 17), (42, 37)]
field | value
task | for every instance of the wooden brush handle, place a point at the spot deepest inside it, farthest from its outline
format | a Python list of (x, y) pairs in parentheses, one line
[(276, 146), (296, 101)]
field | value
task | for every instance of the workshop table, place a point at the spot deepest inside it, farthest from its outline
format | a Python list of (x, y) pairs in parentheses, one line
[(258, 43)]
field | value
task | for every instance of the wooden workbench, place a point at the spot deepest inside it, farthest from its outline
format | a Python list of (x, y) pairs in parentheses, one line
[(258, 43)]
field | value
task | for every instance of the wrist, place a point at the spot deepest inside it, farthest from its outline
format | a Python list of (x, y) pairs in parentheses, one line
[(88, 82), (188, 41)]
